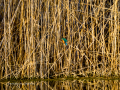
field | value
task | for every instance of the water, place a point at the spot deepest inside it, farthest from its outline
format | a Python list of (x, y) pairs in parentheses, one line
[(81, 84)]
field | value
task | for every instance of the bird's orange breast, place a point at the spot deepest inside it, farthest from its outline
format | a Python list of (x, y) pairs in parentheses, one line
[(63, 41)]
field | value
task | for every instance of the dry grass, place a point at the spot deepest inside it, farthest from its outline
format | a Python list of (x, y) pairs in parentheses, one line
[(31, 46)]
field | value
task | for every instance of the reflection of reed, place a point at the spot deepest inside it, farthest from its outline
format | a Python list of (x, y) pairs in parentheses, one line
[(32, 31), (84, 84)]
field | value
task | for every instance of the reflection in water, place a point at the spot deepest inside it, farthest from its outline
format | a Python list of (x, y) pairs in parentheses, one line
[(84, 84)]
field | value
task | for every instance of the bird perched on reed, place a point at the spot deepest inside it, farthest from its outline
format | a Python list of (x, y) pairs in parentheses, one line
[(64, 41)]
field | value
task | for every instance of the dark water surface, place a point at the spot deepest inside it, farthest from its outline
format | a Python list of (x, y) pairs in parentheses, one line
[(62, 84)]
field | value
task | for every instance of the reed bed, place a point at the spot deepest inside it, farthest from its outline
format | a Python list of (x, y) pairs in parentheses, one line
[(32, 31)]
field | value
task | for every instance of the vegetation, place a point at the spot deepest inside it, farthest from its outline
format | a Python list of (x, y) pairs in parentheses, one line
[(31, 33)]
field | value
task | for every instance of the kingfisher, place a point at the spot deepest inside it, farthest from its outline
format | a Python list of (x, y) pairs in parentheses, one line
[(64, 41)]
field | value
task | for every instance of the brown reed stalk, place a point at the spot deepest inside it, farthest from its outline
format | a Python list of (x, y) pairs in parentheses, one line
[(5, 40)]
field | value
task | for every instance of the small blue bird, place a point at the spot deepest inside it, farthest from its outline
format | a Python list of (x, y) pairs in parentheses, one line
[(64, 41)]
